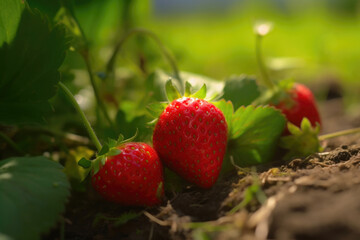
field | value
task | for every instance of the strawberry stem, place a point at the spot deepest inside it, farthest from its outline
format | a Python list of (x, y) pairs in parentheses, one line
[(168, 56), (339, 134), (259, 57), (85, 121)]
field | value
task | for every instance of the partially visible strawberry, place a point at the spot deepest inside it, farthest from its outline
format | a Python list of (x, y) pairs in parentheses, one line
[(132, 177), (190, 138), (295, 100), (298, 105)]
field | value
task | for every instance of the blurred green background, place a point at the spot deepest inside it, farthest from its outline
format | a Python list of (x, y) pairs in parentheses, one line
[(315, 42), (312, 41)]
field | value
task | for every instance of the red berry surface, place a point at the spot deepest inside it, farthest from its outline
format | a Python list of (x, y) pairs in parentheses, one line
[(302, 105), (190, 138), (131, 177)]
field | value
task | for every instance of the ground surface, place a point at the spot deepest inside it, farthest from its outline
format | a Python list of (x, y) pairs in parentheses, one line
[(312, 198)]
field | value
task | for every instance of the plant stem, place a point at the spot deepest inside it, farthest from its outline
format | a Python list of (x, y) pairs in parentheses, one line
[(339, 134), (170, 59), (85, 121), (259, 57), (11, 143), (85, 52), (96, 92)]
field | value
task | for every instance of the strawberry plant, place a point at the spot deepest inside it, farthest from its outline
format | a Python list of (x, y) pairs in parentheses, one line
[(295, 100), (71, 92)]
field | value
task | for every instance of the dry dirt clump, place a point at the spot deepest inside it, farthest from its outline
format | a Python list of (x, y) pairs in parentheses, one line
[(312, 198)]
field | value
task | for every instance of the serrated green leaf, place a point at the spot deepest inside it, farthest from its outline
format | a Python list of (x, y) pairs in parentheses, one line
[(105, 149), (255, 133), (302, 142), (227, 109), (112, 143), (114, 152), (201, 93), (155, 109), (33, 192), (85, 163), (172, 92), (26, 84), (188, 88), (241, 90), (10, 14)]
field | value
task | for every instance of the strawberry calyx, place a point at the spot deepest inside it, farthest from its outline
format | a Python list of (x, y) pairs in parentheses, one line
[(302, 141), (172, 93), (111, 148)]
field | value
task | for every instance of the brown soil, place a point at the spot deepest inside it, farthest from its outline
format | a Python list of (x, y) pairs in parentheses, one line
[(312, 198)]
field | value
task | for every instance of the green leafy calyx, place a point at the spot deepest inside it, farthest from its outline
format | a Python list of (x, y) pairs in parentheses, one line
[(303, 140)]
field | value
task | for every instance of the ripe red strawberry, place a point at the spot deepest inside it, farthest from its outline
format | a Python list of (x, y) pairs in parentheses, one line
[(132, 177), (190, 138), (301, 104)]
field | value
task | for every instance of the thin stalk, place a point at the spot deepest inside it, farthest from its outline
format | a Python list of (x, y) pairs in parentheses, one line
[(259, 58), (170, 59), (96, 92), (85, 52), (85, 121), (11, 143), (339, 134)]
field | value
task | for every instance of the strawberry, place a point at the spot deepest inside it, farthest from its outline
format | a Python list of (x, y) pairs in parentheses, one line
[(298, 105), (190, 138), (132, 177), (295, 100)]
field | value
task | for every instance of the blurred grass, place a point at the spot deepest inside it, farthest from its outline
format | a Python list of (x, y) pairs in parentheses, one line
[(322, 40)]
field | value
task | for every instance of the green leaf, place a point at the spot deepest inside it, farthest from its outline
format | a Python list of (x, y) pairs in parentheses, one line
[(255, 133), (241, 90), (112, 143), (171, 91), (96, 165), (188, 88), (28, 70), (103, 160), (213, 86), (33, 192), (85, 163), (227, 109), (120, 138), (156, 81), (105, 149), (302, 142), (114, 152), (155, 109), (10, 13), (201, 93)]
